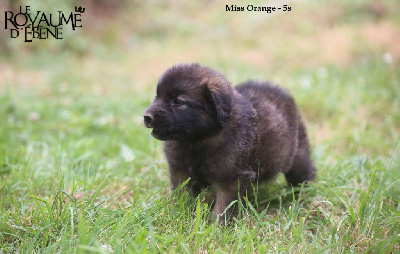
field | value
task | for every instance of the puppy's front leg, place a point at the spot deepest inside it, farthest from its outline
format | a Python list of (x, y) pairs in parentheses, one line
[(225, 195), (179, 176)]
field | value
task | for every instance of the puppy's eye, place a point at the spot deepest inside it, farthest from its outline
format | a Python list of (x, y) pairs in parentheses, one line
[(177, 101)]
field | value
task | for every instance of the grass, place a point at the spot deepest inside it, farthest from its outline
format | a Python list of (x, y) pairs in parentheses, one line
[(80, 173)]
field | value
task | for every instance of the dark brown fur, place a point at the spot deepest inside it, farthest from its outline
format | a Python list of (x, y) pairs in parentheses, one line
[(227, 137)]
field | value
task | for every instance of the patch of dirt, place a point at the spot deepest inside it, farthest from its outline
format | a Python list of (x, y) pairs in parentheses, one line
[(384, 36), (322, 133), (149, 68), (335, 45), (255, 57), (21, 79)]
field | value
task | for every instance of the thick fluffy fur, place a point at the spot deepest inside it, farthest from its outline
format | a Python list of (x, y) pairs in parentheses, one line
[(227, 137)]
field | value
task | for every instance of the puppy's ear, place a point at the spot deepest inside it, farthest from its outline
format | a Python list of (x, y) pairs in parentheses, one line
[(220, 94)]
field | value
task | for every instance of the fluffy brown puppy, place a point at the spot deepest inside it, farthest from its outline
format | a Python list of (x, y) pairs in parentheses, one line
[(227, 137)]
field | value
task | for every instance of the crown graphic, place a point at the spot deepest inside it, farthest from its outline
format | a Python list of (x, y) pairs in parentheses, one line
[(79, 9)]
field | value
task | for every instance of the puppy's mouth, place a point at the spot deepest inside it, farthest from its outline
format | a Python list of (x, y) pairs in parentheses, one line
[(148, 125), (163, 135)]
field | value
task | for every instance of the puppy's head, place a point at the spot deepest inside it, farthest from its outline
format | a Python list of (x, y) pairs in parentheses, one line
[(192, 103)]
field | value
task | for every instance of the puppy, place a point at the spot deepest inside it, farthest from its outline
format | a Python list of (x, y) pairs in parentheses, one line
[(224, 137)]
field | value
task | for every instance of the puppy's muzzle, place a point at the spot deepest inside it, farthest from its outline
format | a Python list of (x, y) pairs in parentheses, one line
[(148, 120)]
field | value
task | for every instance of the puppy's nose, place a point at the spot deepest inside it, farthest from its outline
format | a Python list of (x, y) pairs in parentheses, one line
[(148, 119)]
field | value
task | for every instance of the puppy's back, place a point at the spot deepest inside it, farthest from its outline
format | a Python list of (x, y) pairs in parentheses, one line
[(278, 121), (265, 96)]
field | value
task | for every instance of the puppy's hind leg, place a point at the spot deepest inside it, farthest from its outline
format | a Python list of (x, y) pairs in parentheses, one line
[(302, 169)]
